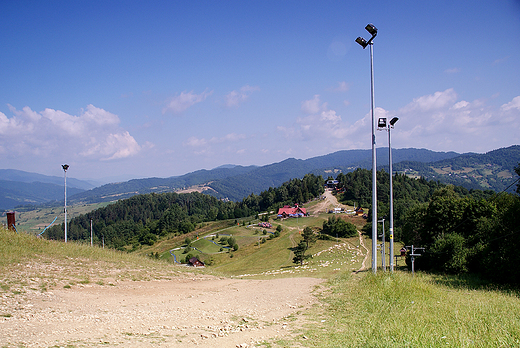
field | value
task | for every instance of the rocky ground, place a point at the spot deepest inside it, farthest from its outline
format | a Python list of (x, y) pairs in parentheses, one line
[(181, 312)]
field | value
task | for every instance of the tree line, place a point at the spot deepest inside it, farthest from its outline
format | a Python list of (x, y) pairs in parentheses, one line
[(142, 219), (462, 231)]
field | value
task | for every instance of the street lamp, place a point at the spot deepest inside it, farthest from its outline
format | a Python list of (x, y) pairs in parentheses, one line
[(373, 31), (382, 124), (390, 126), (65, 167)]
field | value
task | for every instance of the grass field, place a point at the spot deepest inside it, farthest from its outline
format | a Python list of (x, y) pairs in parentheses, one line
[(35, 221), (398, 310), (353, 310)]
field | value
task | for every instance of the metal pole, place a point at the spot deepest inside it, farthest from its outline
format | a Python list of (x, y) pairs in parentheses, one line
[(65, 167), (374, 172), (91, 234), (383, 262), (413, 261), (391, 247)]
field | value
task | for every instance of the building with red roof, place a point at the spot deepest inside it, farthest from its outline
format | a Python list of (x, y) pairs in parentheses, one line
[(288, 211)]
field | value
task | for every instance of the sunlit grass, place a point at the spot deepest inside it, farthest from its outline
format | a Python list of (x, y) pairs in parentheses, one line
[(28, 262), (398, 310)]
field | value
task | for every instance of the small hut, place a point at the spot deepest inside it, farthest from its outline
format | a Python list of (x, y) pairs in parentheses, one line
[(195, 262)]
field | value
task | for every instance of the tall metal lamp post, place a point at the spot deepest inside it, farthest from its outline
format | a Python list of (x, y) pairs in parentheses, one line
[(372, 31), (381, 123), (390, 126), (65, 167)]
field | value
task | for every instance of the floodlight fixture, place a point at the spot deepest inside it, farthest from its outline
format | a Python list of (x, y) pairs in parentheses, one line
[(362, 42), (65, 167), (372, 30), (381, 122), (393, 120)]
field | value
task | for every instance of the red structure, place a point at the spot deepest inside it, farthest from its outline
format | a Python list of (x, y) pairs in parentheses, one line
[(288, 211), (11, 221)]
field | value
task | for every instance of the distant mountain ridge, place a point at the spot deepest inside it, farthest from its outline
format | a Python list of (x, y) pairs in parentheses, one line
[(27, 177), (23, 188), (493, 170)]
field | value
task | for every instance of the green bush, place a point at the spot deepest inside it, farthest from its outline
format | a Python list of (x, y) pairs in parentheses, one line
[(336, 226), (449, 254)]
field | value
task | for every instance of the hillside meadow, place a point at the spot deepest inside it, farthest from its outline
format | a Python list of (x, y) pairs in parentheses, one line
[(353, 307)]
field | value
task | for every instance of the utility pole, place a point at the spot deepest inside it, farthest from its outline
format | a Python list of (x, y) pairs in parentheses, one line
[(65, 167), (383, 262)]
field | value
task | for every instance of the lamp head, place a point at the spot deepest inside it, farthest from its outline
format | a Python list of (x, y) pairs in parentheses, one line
[(381, 123), (371, 29), (362, 42), (65, 167), (394, 120)]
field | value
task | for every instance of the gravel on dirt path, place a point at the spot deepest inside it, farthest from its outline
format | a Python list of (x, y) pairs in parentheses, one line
[(193, 311)]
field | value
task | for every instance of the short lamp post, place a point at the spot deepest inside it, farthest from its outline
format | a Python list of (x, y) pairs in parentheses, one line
[(382, 124), (65, 167), (372, 30)]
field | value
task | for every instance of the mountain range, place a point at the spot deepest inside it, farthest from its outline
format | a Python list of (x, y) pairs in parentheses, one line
[(493, 170)]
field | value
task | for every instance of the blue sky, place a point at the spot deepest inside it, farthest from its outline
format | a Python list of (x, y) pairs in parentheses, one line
[(162, 88)]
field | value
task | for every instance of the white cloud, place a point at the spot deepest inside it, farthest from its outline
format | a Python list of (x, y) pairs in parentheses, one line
[(340, 87), (513, 104), (323, 128), (231, 137), (195, 142), (234, 98), (215, 147), (432, 101), (184, 101), (439, 121), (94, 134), (313, 106)]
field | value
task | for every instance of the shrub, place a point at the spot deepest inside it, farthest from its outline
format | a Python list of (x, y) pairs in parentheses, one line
[(335, 226)]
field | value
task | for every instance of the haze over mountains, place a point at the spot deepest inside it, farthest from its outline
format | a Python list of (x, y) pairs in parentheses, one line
[(493, 170)]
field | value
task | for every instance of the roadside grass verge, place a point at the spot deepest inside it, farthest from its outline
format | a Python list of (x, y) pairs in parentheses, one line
[(28, 262), (398, 310)]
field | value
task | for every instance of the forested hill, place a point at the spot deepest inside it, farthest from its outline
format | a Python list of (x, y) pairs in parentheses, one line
[(237, 182), (114, 191), (494, 170), (462, 231), (142, 219)]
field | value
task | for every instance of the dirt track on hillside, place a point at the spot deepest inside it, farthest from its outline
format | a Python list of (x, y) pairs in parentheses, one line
[(182, 310), (189, 311)]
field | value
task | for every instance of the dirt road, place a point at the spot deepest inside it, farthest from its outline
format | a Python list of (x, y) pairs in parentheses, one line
[(192, 311), (328, 202), (185, 310)]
